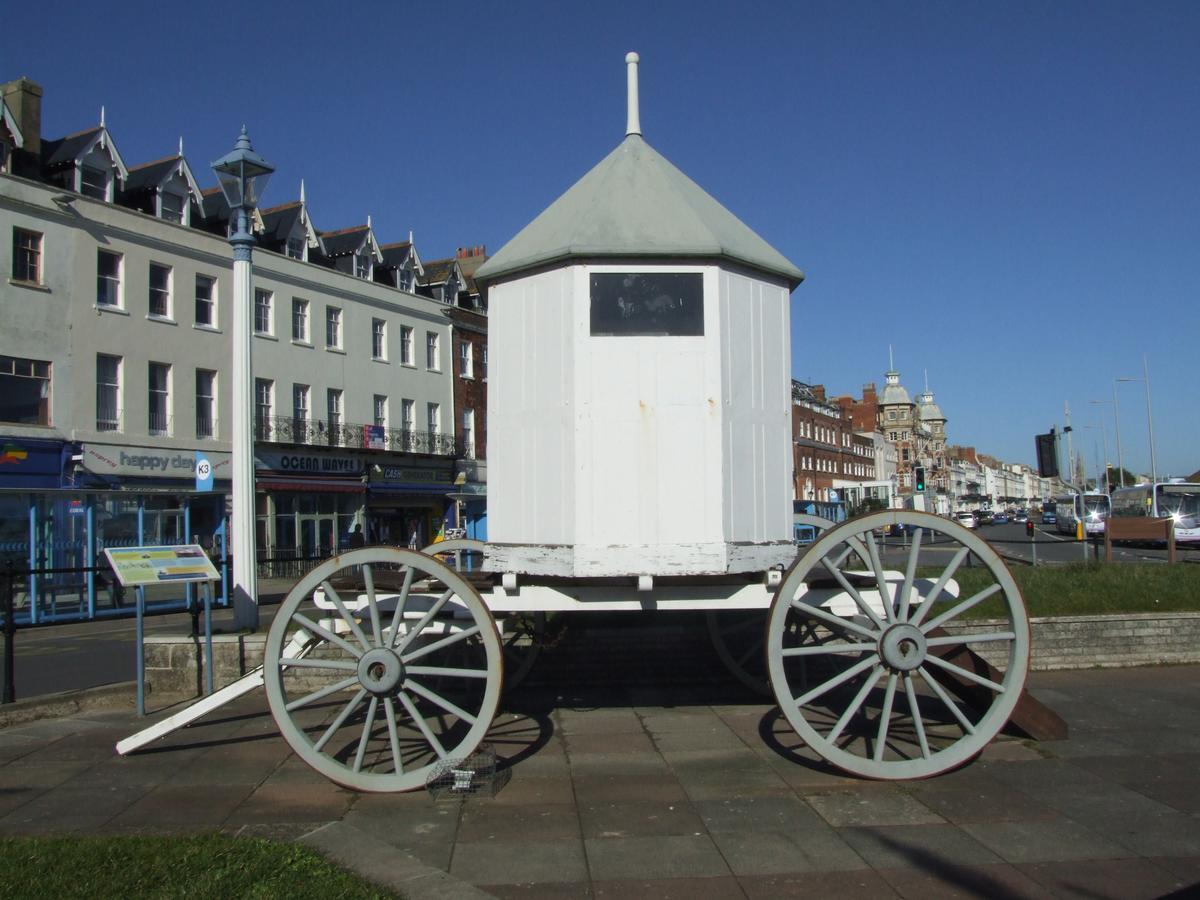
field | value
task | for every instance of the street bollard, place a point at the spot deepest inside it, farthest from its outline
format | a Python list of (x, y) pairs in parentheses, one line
[(10, 635)]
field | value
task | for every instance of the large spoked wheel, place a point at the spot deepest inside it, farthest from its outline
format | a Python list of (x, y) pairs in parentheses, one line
[(880, 667), (408, 671), (522, 635), (739, 636)]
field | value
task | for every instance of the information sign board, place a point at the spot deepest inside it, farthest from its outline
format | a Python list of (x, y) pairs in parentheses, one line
[(137, 566)]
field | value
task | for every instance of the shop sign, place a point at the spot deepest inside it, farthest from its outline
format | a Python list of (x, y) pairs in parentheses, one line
[(29, 462), (413, 475), (149, 462), (308, 464)]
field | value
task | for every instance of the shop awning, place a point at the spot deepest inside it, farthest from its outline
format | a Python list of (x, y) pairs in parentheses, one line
[(326, 485), (399, 487)]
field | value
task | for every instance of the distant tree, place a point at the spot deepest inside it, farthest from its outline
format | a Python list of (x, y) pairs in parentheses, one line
[(1114, 478)]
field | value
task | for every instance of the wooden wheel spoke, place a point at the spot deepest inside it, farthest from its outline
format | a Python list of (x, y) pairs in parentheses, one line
[(885, 595), (389, 712), (915, 709), (433, 697), (337, 723), (401, 603), (827, 686), (963, 673), (447, 671), (326, 634), (855, 705), (863, 606), (439, 645), (423, 726), (824, 649), (945, 577), (425, 620), (304, 663), (833, 621), (345, 614), (754, 648), (366, 734), (372, 605), (322, 693), (910, 572), (885, 717), (947, 700), (960, 608)]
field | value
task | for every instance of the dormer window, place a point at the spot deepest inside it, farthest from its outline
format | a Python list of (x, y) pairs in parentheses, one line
[(93, 182), (362, 263), (171, 207), (406, 280), (296, 245)]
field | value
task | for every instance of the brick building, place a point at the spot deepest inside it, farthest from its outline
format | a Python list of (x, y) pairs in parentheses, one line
[(825, 447)]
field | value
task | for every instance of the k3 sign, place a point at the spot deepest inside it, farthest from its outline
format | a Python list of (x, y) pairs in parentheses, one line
[(204, 473)]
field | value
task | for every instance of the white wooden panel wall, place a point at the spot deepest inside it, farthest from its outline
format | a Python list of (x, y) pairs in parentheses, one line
[(531, 436), (649, 425), (756, 386)]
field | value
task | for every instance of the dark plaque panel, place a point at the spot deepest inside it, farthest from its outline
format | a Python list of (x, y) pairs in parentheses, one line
[(648, 304)]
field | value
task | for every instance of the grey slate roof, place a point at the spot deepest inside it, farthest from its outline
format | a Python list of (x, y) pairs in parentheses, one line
[(635, 203), (347, 240), (278, 221), (395, 254), (64, 150), (929, 410), (893, 391), (151, 174)]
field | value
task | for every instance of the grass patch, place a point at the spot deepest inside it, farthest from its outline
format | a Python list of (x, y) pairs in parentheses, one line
[(1091, 589), (207, 865)]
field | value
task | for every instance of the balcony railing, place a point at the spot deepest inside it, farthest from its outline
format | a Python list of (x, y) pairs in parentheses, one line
[(317, 433)]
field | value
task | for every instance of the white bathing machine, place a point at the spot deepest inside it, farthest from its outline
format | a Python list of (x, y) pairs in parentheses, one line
[(639, 451)]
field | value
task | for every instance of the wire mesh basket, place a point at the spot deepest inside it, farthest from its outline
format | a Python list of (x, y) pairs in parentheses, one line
[(476, 775)]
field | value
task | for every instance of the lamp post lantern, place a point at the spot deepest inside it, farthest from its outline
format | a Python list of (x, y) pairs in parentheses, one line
[(243, 176)]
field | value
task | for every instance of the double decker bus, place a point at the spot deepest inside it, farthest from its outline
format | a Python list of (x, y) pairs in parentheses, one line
[(1178, 500), (1090, 508)]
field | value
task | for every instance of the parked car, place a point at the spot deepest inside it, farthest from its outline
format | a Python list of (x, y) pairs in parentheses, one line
[(1000, 518), (965, 519)]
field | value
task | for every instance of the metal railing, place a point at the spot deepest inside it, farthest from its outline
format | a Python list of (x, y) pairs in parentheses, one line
[(320, 433)]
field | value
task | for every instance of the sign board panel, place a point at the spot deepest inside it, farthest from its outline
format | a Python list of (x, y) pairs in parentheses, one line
[(137, 566)]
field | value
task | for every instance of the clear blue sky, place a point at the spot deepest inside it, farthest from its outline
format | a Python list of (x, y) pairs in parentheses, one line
[(1008, 193)]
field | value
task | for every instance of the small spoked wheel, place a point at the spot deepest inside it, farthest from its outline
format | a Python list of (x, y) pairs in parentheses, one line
[(898, 660), (406, 671)]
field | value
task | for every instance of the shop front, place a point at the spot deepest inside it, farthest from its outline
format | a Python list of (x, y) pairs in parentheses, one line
[(406, 502), (308, 503)]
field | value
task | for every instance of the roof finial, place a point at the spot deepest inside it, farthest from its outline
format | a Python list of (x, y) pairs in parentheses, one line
[(891, 363), (368, 220), (410, 236), (927, 381), (633, 125), (181, 145), (102, 115), (302, 201)]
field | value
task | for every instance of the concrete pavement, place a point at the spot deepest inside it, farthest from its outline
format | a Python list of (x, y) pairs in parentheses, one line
[(693, 789)]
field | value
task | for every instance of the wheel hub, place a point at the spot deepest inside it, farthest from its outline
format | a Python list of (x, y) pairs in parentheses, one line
[(380, 670), (903, 647)]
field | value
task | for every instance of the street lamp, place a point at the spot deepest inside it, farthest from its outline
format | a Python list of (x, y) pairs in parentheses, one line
[(1149, 419), (1120, 461), (243, 176)]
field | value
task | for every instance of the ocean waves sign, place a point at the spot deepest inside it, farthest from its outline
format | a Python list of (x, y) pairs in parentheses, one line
[(316, 464)]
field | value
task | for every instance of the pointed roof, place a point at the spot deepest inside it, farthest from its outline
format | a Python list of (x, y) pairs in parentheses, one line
[(893, 391), (929, 410), (635, 203)]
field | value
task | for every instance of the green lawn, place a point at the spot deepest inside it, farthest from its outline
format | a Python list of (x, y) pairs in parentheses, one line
[(211, 865), (1087, 589)]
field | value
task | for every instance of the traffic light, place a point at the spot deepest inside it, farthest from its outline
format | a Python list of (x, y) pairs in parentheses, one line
[(919, 479), (1047, 454)]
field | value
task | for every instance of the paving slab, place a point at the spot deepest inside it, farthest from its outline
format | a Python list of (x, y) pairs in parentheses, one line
[(778, 853), (718, 888), (1119, 879), (518, 861), (654, 857), (877, 805), (1029, 842), (633, 818), (928, 847)]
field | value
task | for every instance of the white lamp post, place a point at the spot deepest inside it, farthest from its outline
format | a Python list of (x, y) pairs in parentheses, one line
[(1149, 419), (243, 176)]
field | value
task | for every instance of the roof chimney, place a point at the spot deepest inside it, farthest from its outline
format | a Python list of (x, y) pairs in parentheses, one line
[(24, 100)]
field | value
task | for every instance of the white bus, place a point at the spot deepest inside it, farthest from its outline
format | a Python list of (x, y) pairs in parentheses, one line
[(1180, 500), (1093, 510)]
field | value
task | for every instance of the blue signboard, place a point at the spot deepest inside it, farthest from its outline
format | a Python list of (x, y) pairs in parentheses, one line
[(30, 463)]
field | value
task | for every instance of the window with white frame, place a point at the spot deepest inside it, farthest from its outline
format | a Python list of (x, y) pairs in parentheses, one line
[(434, 418), (27, 256), (264, 407), (296, 245), (381, 410), (485, 362), (465, 368), (108, 392), (160, 291), (159, 399), (206, 301), (408, 415), (171, 206), (300, 407), (406, 279), (300, 320), (24, 391), (333, 408), (406, 345), (93, 182), (206, 403), (468, 432), (333, 327), (362, 263), (264, 308), (378, 339), (108, 278), (433, 360)]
